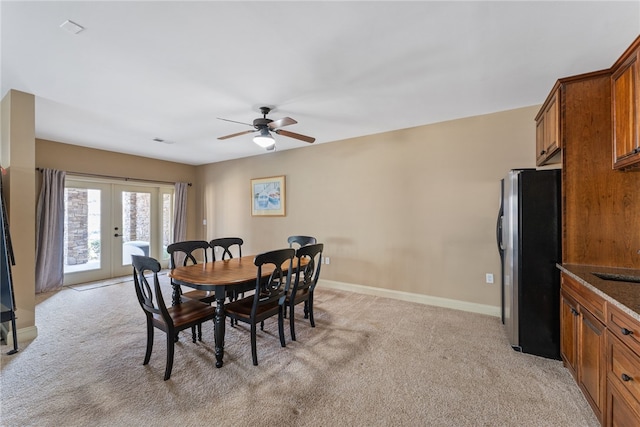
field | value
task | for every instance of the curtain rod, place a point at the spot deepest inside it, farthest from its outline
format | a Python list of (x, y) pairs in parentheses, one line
[(95, 175)]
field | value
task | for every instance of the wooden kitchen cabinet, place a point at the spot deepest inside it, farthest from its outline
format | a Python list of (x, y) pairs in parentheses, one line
[(623, 387), (583, 340), (591, 360), (625, 108), (569, 317), (620, 413), (623, 369), (548, 128), (576, 111)]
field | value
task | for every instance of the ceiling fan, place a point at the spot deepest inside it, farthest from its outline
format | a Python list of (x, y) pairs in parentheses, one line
[(265, 126)]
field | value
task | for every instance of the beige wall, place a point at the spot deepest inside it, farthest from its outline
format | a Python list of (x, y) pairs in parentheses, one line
[(73, 158), (411, 211)]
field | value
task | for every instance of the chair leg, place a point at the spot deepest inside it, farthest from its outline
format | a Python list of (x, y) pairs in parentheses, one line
[(254, 352), (193, 333), (281, 328), (310, 304), (262, 325), (176, 295), (232, 295), (170, 348), (306, 309), (291, 325), (147, 355)]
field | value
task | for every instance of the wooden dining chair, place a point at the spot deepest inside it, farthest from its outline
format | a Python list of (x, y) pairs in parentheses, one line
[(227, 244), (187, 253), (171, 320), (304, 284), (301, 241), (269, 296)]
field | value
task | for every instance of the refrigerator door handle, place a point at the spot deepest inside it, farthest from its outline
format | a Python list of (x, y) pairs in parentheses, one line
[(499, 233)]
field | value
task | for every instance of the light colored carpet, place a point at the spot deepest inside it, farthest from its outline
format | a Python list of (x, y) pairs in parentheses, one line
[(370, 361)]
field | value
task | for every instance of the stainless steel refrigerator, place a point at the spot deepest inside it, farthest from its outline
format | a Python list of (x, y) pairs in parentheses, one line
[(528, 233)]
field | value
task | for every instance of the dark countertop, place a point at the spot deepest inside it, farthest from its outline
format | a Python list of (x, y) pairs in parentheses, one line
[(624, 295)]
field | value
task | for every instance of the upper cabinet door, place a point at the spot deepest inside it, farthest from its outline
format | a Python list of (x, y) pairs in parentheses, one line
[(548, 129), (624, 98)]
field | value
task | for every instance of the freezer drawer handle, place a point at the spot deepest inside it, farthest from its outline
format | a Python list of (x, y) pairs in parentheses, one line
[(626, 377), (625, 331)]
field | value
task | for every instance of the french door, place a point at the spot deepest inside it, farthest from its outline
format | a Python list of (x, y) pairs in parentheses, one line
[(107, 222)]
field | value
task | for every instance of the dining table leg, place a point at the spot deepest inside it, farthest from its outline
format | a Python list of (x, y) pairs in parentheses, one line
[(219, 326)]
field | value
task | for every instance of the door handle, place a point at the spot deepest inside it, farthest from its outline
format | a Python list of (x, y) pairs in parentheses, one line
[(499, 232)]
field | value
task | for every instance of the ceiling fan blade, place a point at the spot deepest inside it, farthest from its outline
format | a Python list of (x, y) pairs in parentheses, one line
[(304, 138), (237, 134), (285, 121), (233, 121)]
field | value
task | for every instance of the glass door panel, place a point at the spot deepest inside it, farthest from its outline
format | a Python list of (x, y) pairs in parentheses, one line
[(84, 232), (132, 228)]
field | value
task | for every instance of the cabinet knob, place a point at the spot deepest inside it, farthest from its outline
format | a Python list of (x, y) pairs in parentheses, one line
[(574, 311), (625, 331), (542, 152), (626, 377)]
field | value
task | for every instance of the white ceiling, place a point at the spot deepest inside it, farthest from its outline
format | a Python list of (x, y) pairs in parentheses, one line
[(142, 70)]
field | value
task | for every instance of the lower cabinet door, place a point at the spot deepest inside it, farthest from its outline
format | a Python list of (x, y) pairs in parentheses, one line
[(569, 333), (619, 412), (591, 358)]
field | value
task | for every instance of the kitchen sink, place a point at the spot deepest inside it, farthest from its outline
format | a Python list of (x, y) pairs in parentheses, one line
[(618, 277)]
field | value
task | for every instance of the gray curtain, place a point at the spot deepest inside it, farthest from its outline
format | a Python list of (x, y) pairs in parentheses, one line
[(50, 232), (180, 215)]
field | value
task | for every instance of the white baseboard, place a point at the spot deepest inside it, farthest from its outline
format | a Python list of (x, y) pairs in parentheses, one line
[(408, 296), (25, 334)]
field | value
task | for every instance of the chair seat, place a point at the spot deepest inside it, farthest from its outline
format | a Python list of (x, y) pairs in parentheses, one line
[(242, 308), (301, 295), (198, 295), (186, 313)]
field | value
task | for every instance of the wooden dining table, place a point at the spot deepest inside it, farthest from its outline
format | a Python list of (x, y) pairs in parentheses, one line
[(235, 274)]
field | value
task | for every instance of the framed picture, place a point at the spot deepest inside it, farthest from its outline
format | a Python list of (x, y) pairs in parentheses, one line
[(268, 196)]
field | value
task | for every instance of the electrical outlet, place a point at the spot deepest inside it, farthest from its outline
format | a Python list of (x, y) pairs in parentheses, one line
[(327, 260), (489, 278)]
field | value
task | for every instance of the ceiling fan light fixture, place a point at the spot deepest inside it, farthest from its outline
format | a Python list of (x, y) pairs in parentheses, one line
[(264, 140)]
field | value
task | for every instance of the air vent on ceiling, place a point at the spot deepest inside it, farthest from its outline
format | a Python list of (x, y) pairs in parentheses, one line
[(71, 27), (164, 141)]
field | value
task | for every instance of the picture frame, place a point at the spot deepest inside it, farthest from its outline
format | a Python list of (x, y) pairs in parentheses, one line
[(268, 196)]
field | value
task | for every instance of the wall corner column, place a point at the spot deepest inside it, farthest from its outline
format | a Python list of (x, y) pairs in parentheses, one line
[(17, 156)]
